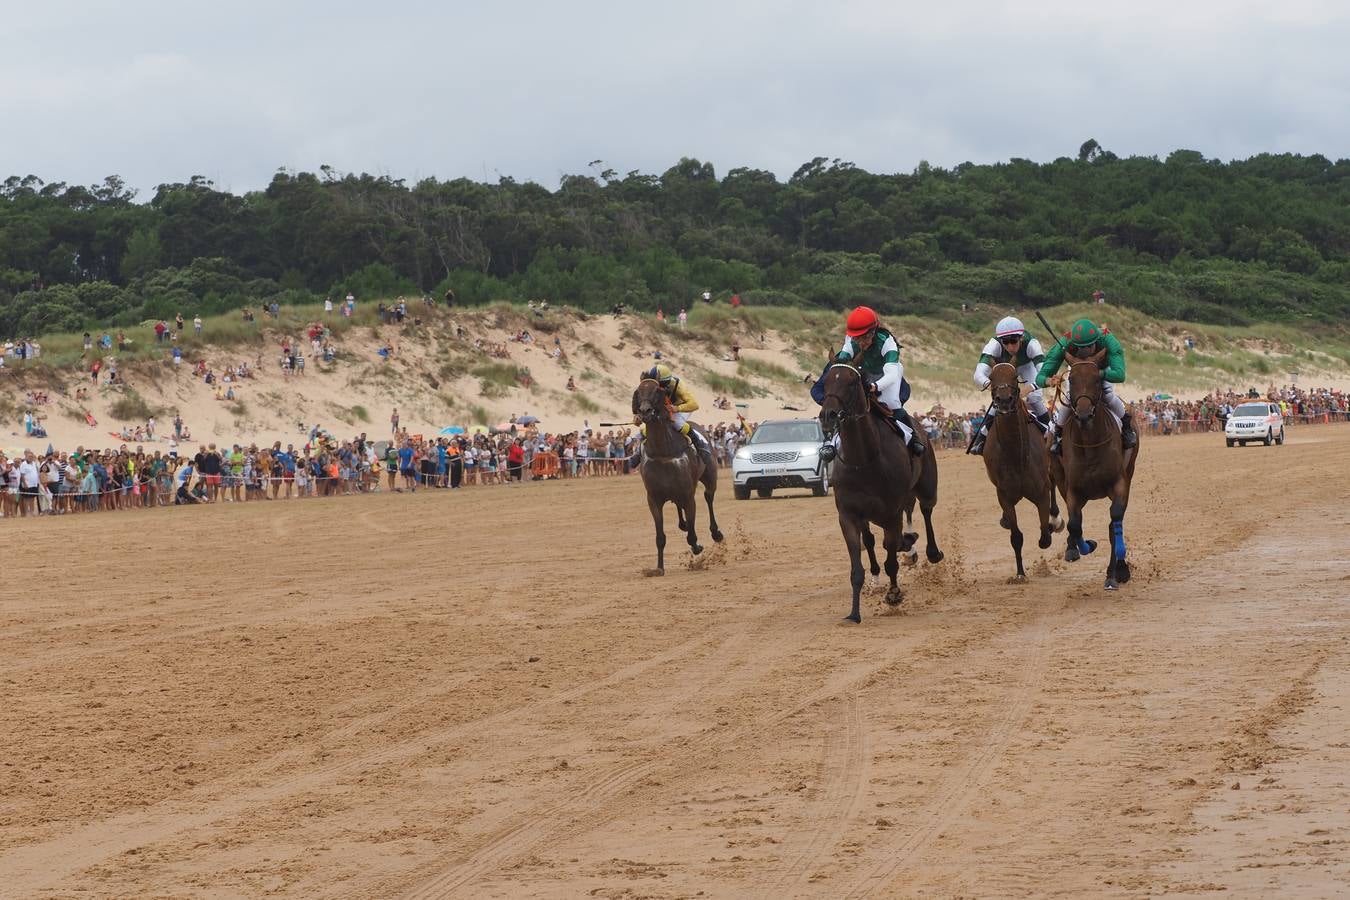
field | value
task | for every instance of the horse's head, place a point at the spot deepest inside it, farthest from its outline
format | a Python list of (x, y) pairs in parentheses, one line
[(1086, 386), (649, 401), (845, 396), (1003, 387)]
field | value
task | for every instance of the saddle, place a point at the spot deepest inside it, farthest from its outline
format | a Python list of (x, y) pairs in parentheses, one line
[(887, 416)]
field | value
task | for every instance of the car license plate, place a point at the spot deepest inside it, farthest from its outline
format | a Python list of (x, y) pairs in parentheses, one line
[(775, 470)]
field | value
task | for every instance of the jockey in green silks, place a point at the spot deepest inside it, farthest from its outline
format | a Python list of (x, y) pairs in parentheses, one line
[(1083, 341)]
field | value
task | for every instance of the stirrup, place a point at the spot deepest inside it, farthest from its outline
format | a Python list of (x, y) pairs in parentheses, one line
[(1055, 444), (977, 447), (1129, 439)]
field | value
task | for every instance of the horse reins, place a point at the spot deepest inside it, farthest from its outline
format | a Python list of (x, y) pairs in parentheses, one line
[(1096, 405), (846, 414)]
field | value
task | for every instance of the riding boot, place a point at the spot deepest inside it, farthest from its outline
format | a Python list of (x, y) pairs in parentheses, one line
[(1128, 436), (1043, 420), (916, 443), (976, 447), (1055, 444)]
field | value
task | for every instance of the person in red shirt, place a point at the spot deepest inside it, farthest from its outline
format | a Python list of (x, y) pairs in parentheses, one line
[(515, 458), (735, 300)]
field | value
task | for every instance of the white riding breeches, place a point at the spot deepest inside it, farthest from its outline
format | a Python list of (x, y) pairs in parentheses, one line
[(680, 419), (1109, 399)]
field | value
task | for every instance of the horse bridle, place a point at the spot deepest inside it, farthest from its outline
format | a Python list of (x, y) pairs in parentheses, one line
[(999, 408), (652, 415), (1074, 398), (844, 414)]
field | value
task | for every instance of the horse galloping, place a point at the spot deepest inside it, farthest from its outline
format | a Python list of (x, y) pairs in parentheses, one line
[(1094, 465), (875, 479), (671, 470), (1016, 461)]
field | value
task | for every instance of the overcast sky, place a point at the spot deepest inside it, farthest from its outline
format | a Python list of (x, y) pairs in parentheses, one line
[(233, 90)]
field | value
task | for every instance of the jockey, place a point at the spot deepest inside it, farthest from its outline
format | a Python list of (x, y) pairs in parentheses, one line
[(876, 353), (1011, 344), (682, 403), (1082, 341)]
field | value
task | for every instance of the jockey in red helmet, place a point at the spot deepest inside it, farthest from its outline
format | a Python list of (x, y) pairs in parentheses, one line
[(876, 353)]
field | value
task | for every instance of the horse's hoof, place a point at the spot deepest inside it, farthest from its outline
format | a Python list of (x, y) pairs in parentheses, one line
[(717, 536), (893, 598), (855, 618), (695, 549), (1088, 547), (1057, 524), (1122, 571), (1071, 554), (909, 559), (935, 556), (1045, 541), (875, 580), (1003, 522), (1111, 584), (1018, 579)]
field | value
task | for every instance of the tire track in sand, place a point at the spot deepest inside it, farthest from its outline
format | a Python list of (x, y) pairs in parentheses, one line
[(33, 867), (952, 797), (574, 814), (844, 783)]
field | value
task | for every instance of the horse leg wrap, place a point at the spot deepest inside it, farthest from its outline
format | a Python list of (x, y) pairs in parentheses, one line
[(1118, 538)]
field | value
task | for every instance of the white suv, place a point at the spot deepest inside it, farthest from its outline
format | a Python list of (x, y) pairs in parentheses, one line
[(782, 453), (1254, 420)]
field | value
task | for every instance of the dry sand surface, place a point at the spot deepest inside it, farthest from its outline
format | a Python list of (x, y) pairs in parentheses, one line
[(480, 695)]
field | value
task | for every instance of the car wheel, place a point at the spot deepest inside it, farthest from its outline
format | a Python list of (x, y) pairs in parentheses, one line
[(1280, 440), (741, 491), (1231, 442), (1268, 439), (764, 492), (821, 488)]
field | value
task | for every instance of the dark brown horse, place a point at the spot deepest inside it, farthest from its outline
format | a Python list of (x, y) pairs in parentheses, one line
[(1017, 462), (875, 479), (1094, 465), (671, 470)]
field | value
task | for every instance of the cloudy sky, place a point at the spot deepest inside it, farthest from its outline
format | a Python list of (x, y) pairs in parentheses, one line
[(233, 90)]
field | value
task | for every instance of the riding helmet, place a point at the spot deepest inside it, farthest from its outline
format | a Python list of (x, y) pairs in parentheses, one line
[(1084, 333), (862, 320), (1009, 326)]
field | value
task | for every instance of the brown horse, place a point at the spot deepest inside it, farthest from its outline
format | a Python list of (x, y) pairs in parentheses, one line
[(875, 479), (1094, 465), (671, 470), (1017, 462)]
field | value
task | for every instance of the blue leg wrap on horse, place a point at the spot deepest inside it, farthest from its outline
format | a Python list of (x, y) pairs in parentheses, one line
[(1118, 538), (1085, 546)]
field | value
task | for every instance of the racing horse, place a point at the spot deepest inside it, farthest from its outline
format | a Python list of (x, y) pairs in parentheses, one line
[(1016, 460), (875, 479), (1094, 465), (671, 470)]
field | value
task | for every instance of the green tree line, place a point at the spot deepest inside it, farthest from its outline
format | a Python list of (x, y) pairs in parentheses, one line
[(1266, 238)]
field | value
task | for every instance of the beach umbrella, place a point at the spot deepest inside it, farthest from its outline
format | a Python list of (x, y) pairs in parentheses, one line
[(478, 429), (453, 429), (527, 420)]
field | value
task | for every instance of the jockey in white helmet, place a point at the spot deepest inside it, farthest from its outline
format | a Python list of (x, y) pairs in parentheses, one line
[(1011, 344)]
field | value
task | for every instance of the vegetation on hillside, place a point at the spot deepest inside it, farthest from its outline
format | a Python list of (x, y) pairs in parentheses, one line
[(1185, 237)]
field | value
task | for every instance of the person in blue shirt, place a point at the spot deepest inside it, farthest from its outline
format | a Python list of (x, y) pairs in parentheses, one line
[(442, 463), (405, 466)]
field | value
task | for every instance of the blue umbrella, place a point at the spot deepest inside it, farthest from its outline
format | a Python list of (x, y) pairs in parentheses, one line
[(453, 429), (527, 420)]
